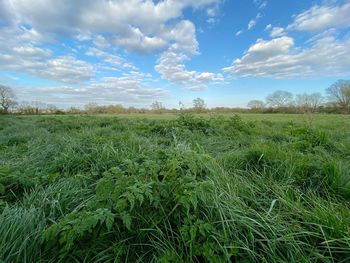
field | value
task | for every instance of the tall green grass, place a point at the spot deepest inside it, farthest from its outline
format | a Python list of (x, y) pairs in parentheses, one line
[(187, 189)]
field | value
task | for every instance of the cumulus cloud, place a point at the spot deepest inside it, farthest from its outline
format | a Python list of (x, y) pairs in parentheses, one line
[(18, 55), (321, 17), (171, 67), (275, 31), (280, 58), (268, 27), (18, 52), (171, 62), (136, 25)]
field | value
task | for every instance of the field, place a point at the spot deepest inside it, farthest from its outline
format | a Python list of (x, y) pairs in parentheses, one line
[(175, 188)]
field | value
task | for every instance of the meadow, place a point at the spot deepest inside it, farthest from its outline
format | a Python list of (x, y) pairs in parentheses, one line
[(175, 188)]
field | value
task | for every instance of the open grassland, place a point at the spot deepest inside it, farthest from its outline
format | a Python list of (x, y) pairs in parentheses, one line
[(167, 188)]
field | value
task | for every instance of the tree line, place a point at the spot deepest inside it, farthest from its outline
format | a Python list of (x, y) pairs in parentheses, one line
[(337, 100)]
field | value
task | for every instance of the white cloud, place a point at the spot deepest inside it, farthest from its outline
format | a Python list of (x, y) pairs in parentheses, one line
[(83, 36), (171, 62), (211, 12), (101, 42), (212, 20), (137, 25), (197, 88), (31, 51), (268, 48), (110, 90), (136, 40), (277, 32), (263, 5), (238, 33), (67, 69), (19, 52), (321, 17), (260, 4), (252, 22), (280, 58), (171, 67), (268, 27), (114, 61)]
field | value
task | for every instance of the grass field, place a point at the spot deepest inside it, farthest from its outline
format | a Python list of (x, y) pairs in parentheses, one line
[(169, 188)]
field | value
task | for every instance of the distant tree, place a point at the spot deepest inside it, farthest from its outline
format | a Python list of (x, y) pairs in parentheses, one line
[(7, 98), (256, 104), (309, 102), (52, 109), (199, 105), (316, 100), (157, 107), (280, 99), (339, 93), (73, 110), (37, 107), (115, 109), (181, 105), (91, 108)]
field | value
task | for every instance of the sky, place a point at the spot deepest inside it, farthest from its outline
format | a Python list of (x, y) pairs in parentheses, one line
[(135, 52)]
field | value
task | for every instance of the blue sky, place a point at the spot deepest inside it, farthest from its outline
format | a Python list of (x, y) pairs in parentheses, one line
[(133, 52)]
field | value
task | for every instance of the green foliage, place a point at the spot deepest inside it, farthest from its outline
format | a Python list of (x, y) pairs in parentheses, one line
[(190, 189), (75, 227), (13, 184), (238, 124), (189, 121)]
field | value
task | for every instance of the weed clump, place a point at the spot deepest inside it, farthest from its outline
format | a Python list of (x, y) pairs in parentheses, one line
[(147, 203), (193, 123)]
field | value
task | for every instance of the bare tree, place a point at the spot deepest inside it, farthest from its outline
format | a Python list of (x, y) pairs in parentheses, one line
[(181, 105), (339, 92), (316, 100), (199, 105), (36, 107), (91, 108), (309, 102), (256, 104), (279, 99), (7, 98), (157, 107)]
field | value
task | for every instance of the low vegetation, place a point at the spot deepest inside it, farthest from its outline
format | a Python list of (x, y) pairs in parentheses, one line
[(248, 188)]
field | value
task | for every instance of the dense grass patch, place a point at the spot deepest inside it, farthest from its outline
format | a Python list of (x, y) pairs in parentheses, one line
[(188, 189)]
